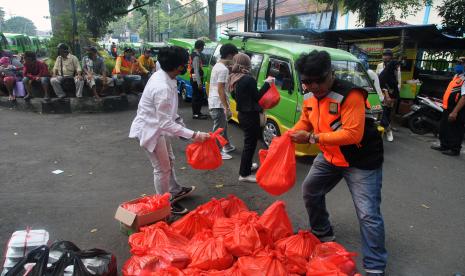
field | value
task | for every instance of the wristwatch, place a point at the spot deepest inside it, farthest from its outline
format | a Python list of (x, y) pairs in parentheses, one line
[(312, 139)]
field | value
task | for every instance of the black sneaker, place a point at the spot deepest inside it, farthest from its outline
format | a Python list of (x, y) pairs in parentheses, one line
[(438, 148), (451, 152), (328, 237), (27, 98), (199, 116), (185, 191), (178, 209)]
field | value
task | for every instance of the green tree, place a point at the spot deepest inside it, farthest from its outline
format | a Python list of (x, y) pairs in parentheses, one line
[(453, 14), (294, 22), (2, 17), (212, 19), (19, 24), (196, 21)]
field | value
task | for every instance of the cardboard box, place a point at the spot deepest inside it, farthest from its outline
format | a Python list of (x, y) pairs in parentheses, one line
[(133, 222)]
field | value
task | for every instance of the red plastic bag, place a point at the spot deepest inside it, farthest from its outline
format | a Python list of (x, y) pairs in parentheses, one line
[(171, 256), (262, 153), (277, 173), (169, 271), (211, 254), (265, 263), (301, 244), (213, 210), (191, 224), (154, 236), (331, 254), (224, 226), (319, 267), (134, 265), (198, 239), (206, 155), (244, 240), (233, 205), (296, 264), (148, 204), (232, 271), (246, 216), (271, 97), (276, 220)]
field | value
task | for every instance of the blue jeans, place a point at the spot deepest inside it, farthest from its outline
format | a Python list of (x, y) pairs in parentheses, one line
[(365, 187)]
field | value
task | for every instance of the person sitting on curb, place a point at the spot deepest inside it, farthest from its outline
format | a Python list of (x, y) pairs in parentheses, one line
[(157, 122), (66, 66), (95, 71), (35, 71), (127, 71), (8, 76), (147, 62)]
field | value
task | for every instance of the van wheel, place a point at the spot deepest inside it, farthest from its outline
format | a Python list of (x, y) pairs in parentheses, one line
[(270, 130), (184, 93)]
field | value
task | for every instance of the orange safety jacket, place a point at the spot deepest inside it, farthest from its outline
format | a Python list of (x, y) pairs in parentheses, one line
[(348, 136), (126, 66), (453, 92)]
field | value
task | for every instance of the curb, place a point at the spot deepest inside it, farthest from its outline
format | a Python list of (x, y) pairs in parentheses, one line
[(74, 105)]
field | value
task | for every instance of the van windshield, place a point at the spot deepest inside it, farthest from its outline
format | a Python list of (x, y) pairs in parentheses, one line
[(353, 72)]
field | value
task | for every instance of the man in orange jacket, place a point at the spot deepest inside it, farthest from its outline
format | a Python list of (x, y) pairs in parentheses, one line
[(334, 115), (127, 71), (452, 126)]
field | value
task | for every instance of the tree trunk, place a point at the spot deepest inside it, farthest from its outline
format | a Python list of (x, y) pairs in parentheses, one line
[(334, 14), (372, 8), (212, 19), (58, 8), (321, 14)]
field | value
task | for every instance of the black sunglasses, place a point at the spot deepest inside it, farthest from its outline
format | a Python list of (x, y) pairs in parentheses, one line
[(318, 80)]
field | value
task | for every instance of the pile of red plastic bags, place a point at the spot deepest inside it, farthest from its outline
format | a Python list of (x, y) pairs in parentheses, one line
[(223, 237)]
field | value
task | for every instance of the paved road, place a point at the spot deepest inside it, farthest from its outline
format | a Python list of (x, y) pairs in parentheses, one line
[(423, 191)]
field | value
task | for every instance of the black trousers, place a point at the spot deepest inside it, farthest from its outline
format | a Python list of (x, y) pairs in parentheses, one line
[(249, 122), (197, 98), (451, 133)]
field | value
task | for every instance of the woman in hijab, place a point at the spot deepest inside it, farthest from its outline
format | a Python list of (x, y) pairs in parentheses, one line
[(244, 90)]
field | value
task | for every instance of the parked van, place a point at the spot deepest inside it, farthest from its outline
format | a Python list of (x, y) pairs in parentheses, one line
[(184, 85), (19, 43), (277, 59), (4, 46)]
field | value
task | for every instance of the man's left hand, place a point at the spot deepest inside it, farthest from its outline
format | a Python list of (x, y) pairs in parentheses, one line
[(453, 117)]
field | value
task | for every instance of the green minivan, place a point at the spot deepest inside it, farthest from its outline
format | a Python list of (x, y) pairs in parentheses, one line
[(19, 43), (277, 58)]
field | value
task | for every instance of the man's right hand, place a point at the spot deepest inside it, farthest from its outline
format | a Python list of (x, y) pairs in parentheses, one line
[(300, 137), (200, 137)]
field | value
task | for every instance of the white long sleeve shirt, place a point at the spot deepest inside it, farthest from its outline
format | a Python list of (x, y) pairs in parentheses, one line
[(374, 77), (157, 112)]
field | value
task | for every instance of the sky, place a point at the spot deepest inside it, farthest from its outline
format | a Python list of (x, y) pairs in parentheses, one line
[(34, 10)]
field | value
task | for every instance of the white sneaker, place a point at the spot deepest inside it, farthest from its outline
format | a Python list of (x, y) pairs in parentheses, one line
[(250, 178), (389, 136), (229, 149), (225, 156), (254, 167)]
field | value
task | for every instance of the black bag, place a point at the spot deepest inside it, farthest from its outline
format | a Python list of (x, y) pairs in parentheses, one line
[(38, 256)]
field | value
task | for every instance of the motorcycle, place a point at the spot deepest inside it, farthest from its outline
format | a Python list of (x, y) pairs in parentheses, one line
[(425, 115)]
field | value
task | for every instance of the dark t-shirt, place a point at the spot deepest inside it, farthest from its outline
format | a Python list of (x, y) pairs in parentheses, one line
[(247, 95)]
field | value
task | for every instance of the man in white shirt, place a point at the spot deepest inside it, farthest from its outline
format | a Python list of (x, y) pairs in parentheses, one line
[(387, 57), (218, 101), (157, 121)]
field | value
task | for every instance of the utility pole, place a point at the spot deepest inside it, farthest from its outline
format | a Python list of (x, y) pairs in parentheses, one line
[(250, 15), (246, 16), (273, 16), (256, 16)]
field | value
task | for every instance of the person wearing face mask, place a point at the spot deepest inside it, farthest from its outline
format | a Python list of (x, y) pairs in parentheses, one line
[(334, 116), (452, 126), (157, 122), (126, 71), (95, 71)]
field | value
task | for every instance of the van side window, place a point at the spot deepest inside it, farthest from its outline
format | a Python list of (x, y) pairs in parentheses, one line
[(216, 55), (281, 71), (256, 63)]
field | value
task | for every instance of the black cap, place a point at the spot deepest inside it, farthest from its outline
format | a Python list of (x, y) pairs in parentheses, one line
[(128, 49), (388, 52), (91, 48), (63, 46)]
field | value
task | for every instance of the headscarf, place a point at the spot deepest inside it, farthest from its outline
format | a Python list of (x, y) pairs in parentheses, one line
[(5, 61), (240, 68)]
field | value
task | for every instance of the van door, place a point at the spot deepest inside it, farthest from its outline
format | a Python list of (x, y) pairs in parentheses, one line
[(285, 111)]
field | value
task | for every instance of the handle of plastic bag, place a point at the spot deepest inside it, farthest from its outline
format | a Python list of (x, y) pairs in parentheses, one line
[(217, 135), (39, 256)]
